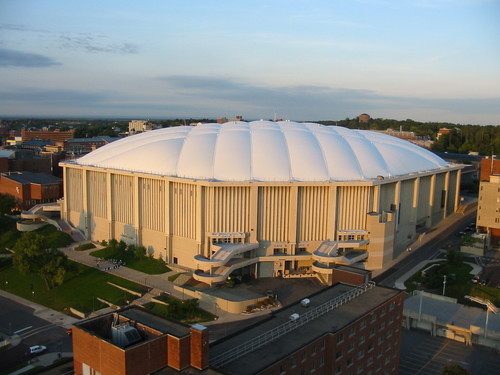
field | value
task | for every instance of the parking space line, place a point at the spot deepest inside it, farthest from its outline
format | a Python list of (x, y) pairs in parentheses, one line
[(430, 360)]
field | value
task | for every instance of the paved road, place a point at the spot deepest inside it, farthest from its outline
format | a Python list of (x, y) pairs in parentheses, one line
[(445, 232), (18, 319), (422, 354)]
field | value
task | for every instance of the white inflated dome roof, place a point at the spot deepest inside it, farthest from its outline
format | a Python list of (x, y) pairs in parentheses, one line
[(265, 151)]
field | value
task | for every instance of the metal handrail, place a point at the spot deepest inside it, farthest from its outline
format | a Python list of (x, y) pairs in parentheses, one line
[(288, 326)]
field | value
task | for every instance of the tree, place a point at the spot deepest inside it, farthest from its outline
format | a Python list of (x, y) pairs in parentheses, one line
[(455, 370), (7, 203), (455, 258), (29, 252), (32, 256)]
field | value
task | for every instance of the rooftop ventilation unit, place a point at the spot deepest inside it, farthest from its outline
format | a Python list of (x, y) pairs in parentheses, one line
[(124, 335), (305, 302)]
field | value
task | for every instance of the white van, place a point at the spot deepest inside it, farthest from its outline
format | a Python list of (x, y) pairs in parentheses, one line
[(37, 349)]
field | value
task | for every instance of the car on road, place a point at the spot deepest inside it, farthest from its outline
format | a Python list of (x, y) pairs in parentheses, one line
[(37, 349), (69, 331)]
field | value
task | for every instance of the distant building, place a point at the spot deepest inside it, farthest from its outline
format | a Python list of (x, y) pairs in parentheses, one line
[(223, 120), (18, 160), (138, 126), (443, 131), (488, 209), (339, 330), (81, 146), (364, 118), (46, 135), (30, 188)]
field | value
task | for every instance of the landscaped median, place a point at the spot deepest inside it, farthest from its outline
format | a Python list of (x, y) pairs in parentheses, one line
[(430, 278)]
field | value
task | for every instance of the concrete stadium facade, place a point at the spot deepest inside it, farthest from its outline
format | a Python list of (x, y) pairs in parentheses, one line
[(258, 227)]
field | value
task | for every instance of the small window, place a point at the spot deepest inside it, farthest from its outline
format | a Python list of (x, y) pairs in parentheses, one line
[(340, 338), (349, 362), (338, 355), (176, 260)]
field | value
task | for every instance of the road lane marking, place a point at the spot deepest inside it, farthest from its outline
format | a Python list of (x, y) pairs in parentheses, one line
[(24, 329)]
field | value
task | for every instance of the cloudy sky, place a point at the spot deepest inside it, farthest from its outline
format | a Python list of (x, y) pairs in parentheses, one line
[(428, 60)]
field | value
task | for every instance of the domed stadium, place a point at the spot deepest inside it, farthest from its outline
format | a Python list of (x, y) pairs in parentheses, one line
[(262, 198)]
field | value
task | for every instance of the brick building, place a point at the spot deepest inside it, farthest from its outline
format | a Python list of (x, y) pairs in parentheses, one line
[(134, 341), (47, 135), (17, 160), (488, 208), (342, 329), (30, 188)]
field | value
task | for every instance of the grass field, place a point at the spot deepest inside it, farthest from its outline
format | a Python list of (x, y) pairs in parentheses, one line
[(9, 234), (80, 289), (144, 264)]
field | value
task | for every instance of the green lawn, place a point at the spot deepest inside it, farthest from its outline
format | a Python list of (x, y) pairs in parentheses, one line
[(9, 234), (144, 264), (80, 290), (181, 310), (54, 237)]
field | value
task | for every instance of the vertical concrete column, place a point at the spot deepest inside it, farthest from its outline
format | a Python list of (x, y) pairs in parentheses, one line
[(376, 198), (137, 217), (109, 205), (457, 189), (432, 193), (199, 218), (64, 202), (254, 209), (85, 205), (414, 208), (397, 201), (292, 226), (332, 213), (168, 220), (446, 189)]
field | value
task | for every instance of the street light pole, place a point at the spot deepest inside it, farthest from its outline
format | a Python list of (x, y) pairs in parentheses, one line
[(489, 306), (444, 284)]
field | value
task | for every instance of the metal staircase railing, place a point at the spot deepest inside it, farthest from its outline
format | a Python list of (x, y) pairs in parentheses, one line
[(287, 327)]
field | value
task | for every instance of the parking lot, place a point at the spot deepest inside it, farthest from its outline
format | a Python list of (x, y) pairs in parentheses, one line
[(422, 354)]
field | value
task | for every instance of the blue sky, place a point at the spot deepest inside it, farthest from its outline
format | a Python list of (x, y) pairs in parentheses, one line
[(428, 60)]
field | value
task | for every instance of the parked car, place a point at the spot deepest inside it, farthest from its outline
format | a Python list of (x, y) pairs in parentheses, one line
[(37, 349), (69, 331)]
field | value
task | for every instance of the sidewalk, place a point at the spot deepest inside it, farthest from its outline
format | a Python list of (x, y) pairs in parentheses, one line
[(43, 360)]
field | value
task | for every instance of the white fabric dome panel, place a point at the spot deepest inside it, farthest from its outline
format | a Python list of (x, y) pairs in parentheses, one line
[(265, 151)]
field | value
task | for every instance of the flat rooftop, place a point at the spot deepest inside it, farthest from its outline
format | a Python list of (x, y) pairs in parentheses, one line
[(331, 321), (139, 318), (31, 178)]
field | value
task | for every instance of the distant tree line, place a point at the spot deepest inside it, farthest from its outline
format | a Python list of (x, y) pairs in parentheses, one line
[(461, 139)]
